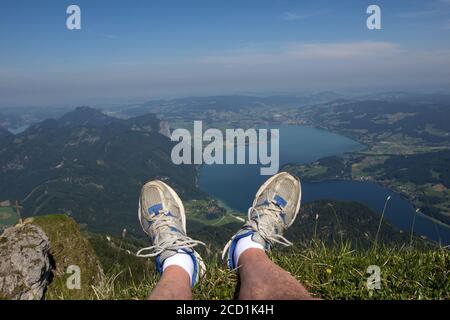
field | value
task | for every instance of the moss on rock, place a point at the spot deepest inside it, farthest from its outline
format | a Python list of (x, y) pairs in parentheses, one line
[(69, 247)]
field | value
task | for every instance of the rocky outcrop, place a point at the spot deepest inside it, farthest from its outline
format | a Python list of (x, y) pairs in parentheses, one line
[(25, 267), (69, 249)]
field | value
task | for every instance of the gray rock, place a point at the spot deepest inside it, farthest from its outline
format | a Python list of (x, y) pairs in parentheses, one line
[(25, 267)]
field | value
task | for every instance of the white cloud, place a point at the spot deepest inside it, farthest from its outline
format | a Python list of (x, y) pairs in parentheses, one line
[(307, 52), (317, 51)]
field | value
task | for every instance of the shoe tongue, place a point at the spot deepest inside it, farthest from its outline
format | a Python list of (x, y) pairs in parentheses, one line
[(166, 254), (169, 253), (267, 220), (258, 239)]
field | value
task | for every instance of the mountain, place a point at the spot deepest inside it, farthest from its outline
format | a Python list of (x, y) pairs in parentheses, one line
[(422, 119), (5, 137), (410, 97), (20, 117), (85, 116), (340, 221), (90, 166), (330, 222), (224, 103), (9, 121)]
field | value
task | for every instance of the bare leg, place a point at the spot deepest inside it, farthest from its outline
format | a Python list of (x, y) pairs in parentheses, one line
[(173, 285), (261, 279)]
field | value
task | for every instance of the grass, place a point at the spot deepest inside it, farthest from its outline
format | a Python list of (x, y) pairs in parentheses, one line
[(8, 216), (341, 273), (69, 247), (196, 209), (329, 272), (420, 270)]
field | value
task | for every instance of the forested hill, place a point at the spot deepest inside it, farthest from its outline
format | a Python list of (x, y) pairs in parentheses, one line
[(90, 166)]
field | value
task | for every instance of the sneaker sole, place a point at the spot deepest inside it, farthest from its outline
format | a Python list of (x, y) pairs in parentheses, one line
[(201, 266), (270, 180), (172, 192)]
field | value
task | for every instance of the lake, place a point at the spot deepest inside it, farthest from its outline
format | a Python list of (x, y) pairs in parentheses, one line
[(18, 130), (236, 185)]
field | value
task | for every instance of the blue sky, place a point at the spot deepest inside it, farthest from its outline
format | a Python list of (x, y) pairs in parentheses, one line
[(138, 50)]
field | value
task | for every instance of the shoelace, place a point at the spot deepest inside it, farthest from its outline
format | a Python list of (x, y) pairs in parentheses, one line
[(174, 243), (264, 226)]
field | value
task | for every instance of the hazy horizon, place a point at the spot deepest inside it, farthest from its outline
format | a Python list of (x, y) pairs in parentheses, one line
[(132, 53)]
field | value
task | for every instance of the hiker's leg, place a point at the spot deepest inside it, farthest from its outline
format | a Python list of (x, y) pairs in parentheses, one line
[(261, 279), (173, 285), (162, 217), (274, 209)]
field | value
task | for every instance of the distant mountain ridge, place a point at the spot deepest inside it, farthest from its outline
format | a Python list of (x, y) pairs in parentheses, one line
[(20, 117), (86, 116), (224, 103)]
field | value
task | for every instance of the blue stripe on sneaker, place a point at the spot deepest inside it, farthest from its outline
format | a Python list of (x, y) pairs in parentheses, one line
[(280, 201), (155, 209), (159, 264), (194, 275), (195, 262), (231, 263), (175, 229)]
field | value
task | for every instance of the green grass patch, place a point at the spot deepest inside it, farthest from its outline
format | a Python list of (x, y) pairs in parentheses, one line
[(69, 247), (8, 216), (329, 272)]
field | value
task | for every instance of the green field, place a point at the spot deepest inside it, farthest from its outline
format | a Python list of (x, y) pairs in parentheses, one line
[(210, 212), (8, 216)]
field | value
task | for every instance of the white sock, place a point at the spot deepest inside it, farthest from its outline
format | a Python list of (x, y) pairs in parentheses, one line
[(183, 260), (244, 244)]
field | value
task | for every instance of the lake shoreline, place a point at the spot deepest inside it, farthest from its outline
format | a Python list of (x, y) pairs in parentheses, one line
[(305, 145), (352, 154)]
